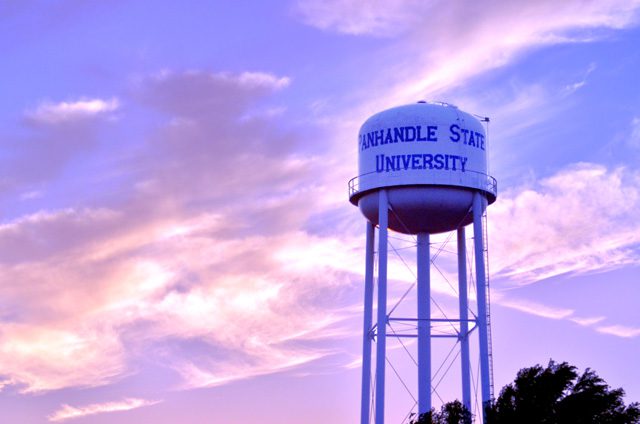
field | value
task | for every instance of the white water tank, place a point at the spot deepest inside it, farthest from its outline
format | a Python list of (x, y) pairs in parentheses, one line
[(431, 158)]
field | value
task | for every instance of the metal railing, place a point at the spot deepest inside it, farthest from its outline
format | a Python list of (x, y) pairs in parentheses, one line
[(488, 183)]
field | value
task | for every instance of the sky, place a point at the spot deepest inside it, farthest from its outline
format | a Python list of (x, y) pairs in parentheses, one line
[(177, 244)]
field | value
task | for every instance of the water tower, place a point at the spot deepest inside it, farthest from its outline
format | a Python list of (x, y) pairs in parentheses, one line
[(422, 171)]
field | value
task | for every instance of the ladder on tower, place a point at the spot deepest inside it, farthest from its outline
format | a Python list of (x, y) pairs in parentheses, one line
[(485, 253)]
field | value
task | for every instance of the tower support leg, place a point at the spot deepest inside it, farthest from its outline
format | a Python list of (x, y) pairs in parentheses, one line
[(464, 319), (366, 330), (381, 346), (424, 325), (479, 203)]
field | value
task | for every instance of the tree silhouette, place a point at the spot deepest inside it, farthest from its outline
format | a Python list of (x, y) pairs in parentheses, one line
[(554, 394), (557, 395), (450, 413)]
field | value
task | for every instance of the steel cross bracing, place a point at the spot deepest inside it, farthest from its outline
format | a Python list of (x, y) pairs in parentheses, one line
[(454, 333), (410, 325)]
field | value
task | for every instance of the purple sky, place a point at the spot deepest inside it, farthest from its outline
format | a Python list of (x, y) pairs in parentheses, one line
[(176, 241)]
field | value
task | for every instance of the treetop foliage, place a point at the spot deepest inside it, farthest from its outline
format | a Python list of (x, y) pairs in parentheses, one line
[(555, 394)]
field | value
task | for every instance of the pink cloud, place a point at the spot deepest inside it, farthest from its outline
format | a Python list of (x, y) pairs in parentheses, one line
[(67, 412), (568, 223), (180, 283), (393, 17), (619, 330), (179, 256), (534, 308), (41, 358), (358, 18), (54, 113)]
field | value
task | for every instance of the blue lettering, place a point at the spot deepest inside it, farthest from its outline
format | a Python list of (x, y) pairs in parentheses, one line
[(426, 160), (390, 163), (438, 160), (379, 137), (398, 134), (415, 162), (412, 131), (420, 138), (389, 138), (455, 135), (431, 133), (420, 161), (406, 159), (371, 139), (465, 132)]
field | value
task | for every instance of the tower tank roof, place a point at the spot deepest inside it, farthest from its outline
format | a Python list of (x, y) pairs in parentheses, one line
[(429, 156)]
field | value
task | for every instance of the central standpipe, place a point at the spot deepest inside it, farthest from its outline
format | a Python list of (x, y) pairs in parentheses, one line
[(424, 324)]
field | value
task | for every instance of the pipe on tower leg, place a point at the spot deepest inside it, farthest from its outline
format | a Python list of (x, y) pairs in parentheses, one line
[(424, 325), (464, 319), (381, 347), (368, 321), (479, 203)]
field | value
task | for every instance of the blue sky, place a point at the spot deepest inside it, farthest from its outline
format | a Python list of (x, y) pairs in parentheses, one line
[(176, 240)]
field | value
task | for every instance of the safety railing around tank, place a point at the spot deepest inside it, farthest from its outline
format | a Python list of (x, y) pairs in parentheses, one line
[(487, 183), (354, 186)]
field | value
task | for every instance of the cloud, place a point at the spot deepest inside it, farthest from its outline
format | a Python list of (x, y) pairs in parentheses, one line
[(208, 147), (52, 136), (550, 312), (30, 195), (195, 94), (41, 358), (263, 79), (619, 330), (202, 247), (450, 43), (492, 36), (55, 113), (102, 299), (45, 233), (377, 18), (207, 374), (245, 314), (534, 308), (571, 88), (67, 412), (566, 224), (587, 321)]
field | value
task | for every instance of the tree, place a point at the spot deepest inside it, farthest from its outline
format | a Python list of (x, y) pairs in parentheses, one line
[(557, 395), (450, 413)]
